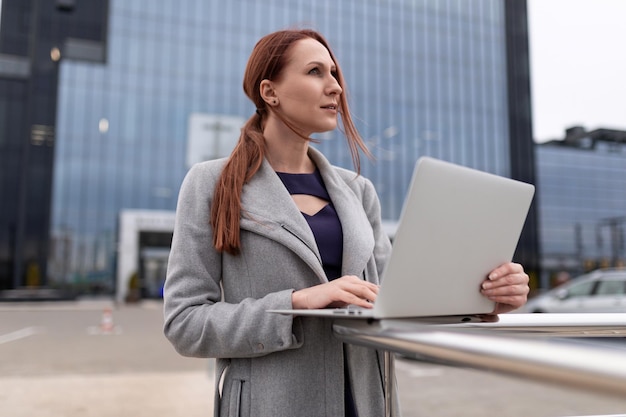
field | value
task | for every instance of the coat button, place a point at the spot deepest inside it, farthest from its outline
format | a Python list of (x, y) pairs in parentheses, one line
[(260, 346)]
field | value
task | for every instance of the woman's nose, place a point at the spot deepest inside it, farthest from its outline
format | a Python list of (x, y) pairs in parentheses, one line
[(334, 87)]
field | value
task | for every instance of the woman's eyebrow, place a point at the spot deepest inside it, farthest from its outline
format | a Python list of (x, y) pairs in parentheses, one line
[(333, 67)]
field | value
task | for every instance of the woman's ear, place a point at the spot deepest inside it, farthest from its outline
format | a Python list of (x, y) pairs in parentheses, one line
[(268, 93)]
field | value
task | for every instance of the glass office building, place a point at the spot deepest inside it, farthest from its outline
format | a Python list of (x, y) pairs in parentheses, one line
[(35, 36), (424, 77), (582, 195)]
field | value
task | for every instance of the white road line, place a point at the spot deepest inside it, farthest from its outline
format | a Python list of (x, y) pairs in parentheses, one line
[(18, 334)]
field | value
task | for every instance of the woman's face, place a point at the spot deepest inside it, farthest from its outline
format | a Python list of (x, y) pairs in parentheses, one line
[(307, 90)]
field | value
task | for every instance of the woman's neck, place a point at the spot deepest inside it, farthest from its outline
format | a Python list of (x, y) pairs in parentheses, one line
[(286, 151)]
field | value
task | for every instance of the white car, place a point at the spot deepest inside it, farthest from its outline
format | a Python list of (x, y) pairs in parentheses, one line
[(600, 291)]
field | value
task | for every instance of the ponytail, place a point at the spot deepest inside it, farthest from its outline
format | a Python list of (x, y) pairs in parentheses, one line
[(244, 162)]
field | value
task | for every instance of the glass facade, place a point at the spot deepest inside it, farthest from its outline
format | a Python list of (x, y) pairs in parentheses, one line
[(34, 36), (424, 77), (582, 195)]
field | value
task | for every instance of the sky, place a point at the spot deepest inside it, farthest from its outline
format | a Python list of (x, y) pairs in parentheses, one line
[(578, 65)]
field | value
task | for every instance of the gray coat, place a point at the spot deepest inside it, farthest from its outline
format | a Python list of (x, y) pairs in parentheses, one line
[(272, 365)]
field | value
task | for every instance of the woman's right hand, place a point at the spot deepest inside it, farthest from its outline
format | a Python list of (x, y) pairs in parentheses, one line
[(339, 292)]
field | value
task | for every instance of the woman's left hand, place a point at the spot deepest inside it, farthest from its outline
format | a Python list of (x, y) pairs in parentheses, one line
[(507, 285)]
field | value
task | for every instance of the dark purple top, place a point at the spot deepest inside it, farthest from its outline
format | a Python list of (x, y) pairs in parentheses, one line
[(328, 234), (324, 224)]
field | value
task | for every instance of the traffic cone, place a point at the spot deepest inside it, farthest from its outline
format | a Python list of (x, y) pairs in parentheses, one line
[(106, 324)]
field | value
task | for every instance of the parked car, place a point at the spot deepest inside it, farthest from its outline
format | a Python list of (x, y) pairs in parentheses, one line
[(600, 291)]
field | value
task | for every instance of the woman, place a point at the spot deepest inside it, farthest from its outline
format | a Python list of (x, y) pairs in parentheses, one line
[(275, 226)]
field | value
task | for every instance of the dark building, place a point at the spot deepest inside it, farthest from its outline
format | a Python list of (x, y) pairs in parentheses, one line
[(34, 36), (444, 79), (583, 201)]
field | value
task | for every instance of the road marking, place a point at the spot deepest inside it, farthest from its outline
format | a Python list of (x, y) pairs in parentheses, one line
[(18, 334)]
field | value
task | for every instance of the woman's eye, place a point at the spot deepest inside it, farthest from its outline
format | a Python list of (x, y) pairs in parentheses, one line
[(315, 71)]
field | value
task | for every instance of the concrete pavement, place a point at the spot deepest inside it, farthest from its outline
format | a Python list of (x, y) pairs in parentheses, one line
[(56, 361), (98, 395)]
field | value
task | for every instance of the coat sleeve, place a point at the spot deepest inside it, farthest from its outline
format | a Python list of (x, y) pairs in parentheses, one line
[(198, 322)]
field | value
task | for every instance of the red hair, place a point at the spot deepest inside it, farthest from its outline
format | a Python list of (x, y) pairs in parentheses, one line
[(267, 60)]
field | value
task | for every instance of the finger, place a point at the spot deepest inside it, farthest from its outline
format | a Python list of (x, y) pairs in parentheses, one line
[(358, 301), (347, 298), (497, 291), (364, 293), (508, 302), (356, 280), (369, 295), (505, 269), (506, 280), (357, 286), (358, 294)]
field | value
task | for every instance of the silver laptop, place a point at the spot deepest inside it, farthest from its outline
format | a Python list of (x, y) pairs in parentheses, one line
[(457, 224)]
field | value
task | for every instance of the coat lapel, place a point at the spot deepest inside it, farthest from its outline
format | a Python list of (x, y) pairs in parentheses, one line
[(358, 237), (269, 210)]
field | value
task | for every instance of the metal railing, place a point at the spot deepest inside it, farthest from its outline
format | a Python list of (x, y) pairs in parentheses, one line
[(533, 346)]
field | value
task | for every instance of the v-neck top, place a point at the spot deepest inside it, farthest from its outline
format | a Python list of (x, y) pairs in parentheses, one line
[(324, 224)]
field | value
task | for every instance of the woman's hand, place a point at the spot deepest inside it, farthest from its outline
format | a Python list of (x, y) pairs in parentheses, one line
[(507, 285), (340, 292)]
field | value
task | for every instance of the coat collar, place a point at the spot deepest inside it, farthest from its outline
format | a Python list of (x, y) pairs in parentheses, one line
[(358, 236), (268, 209)]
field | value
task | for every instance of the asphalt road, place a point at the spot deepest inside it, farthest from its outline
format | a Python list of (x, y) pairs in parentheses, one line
[(70, 359)]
